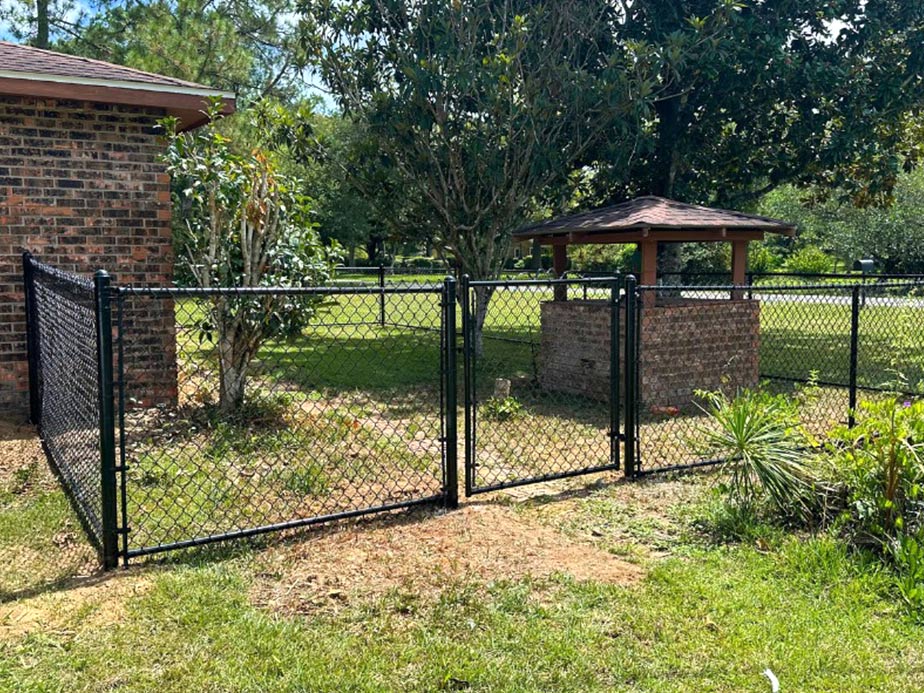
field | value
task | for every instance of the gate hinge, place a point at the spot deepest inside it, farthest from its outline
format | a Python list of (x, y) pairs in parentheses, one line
[(618, 435), (123, 530)]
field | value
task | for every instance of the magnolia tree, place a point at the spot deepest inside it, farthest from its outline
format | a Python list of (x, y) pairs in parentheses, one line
[(244, 224)]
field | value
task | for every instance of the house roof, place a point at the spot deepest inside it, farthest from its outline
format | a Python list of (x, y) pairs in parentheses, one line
[(667, 219), (27, 71)]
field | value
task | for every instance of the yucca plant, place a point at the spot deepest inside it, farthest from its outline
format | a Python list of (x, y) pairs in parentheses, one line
[(765, 451)]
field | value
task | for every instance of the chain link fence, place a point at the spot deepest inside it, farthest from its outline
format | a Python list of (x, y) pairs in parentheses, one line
[(829, 346), (178, 417)]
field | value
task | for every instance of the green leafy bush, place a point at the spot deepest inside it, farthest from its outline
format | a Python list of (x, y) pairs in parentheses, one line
[(603, 258), (497, 409), (762, 441), (809, 260), (880, 465)]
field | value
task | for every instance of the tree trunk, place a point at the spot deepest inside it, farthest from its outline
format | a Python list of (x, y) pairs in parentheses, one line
[(667, 160), (41, 24), (482, 300), (232, 372)]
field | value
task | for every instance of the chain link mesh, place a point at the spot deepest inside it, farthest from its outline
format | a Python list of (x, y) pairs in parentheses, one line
[(341, 413), (539, 381), (52, 529), (795, 339)]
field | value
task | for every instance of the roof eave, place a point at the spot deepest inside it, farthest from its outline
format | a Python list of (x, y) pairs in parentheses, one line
[(184, 102)]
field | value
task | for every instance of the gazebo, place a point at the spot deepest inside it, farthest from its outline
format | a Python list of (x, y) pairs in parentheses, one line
[(686, 343)]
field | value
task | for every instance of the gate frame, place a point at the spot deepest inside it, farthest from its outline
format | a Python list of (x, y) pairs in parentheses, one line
[(469, 359)]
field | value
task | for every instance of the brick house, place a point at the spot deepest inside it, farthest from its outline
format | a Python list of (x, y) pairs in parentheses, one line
[(81, 183)]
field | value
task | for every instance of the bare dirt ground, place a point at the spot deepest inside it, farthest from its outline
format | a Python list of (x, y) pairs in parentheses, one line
[(421, 553)]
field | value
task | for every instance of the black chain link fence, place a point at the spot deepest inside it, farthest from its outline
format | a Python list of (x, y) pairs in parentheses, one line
[(348, 399), (52, 518), (341, 413), (829, 346)]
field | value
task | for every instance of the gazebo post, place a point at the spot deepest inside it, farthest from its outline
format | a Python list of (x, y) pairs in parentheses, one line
[(649, 252), (559, 266), (739, 267)]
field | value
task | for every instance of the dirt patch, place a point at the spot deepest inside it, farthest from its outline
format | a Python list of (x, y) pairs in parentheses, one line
[(22, 460), (421, 553), (97, 602)]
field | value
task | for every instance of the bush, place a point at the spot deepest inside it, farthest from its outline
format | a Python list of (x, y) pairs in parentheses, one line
[(761, 439), (880, 465), (603, 258), (809, 259), (496, 409), (762, 258)]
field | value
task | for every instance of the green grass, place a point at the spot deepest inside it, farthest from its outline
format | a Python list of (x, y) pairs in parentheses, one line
[(821, 619)]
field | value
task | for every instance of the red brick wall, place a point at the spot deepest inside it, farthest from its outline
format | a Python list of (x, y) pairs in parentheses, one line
[(81, 187), (687, 346)]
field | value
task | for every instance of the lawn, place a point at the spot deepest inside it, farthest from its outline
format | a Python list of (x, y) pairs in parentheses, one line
[(696, 614)]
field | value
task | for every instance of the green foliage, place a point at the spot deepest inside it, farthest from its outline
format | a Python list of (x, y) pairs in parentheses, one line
[(760, 436), (604, 258), (880, 464), (891, 234), (809, 259), (246, 224), (763, 258), (505, 409), (908, 556)]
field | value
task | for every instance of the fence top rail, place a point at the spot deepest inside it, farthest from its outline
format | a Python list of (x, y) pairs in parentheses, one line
[(802, 275), (545, 282), (173, 291), (60, 275), (784, 288)]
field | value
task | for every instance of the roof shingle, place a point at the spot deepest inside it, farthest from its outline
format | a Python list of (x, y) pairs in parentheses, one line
[(16, 58), (652, 212)]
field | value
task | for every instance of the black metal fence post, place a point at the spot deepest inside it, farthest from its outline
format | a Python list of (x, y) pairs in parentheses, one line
[(631, 375), (451, 473), (855, 299), (468, 381), (382, 295), (32, 342), (108, 496), (614, 372)]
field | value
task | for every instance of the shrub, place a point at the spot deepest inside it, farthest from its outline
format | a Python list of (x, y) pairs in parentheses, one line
[(761, 258), (496, 409), (880, 465), (809, 259), (761, 439), (603, 258)]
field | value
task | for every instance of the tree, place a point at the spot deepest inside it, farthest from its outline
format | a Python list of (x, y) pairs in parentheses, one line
[(892, 235), (480, 105), (246, 226), (785, 91)]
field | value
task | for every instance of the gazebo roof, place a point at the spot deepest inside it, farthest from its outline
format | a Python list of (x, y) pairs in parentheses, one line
[(28, 71), (653, 218)]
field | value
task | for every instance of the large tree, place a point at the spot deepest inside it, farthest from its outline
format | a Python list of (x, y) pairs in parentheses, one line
[(789, 91), (480, 105)]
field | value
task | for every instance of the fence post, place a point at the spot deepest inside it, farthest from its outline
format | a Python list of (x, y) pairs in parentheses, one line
[(32, 342), (855, 299), (614, 372), (382, 295), (468, 386), (631, 375), (108, 514), (451, 473)]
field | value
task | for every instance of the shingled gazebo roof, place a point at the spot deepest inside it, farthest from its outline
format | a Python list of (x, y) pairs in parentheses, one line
[(653, 217), (28, 71)]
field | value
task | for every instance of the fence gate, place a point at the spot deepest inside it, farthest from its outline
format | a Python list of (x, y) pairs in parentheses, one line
[(541, 402)]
